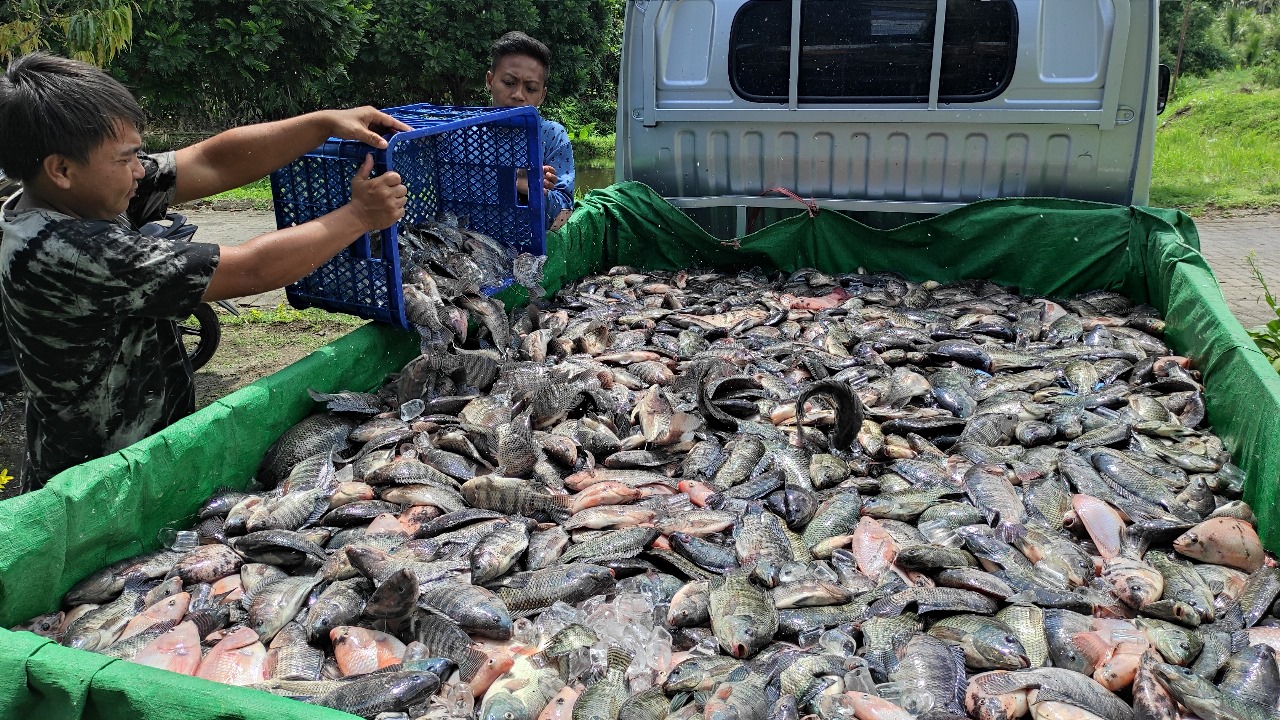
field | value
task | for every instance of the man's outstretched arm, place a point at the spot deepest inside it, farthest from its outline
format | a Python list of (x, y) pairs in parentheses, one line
[(244, 154)]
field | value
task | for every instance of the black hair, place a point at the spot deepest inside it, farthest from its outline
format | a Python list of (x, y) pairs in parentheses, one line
[(53, 105), (518, 43)]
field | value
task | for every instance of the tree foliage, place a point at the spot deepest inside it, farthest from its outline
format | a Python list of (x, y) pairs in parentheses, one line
[(1205, 49), (209, 64), (432, 51), (94, 31), (217, 63)]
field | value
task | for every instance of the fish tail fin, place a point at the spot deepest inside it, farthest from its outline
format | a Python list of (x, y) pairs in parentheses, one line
[(850, 412), (619, 659), (1232, 617), (559, 507), (470, 661), (1011, 532), (1239, 641), (206, 621)]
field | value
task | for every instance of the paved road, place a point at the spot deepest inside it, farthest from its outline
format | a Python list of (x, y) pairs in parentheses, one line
[(236, 228), (1225, 241)]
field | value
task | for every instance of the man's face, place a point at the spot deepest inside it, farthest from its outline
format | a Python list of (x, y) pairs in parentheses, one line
[(518, 80), (102, 186)]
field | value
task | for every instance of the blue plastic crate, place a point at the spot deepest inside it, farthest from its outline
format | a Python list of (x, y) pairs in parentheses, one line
[(461, 160)]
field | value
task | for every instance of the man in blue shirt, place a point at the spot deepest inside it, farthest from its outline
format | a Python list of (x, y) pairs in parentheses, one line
[(518, 77)]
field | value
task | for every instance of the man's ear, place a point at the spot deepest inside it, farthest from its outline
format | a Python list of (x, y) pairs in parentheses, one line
[(57, 169), (488, 78)]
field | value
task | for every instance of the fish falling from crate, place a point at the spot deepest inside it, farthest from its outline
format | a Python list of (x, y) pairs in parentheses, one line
[(448, 270), (994, 506)]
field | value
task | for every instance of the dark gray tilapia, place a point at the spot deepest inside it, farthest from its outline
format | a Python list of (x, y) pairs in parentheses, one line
[(526, 270), (444, 638), (743, 617), (561, 583), (351, 402), (498, 552), (1059, 684), (652, 704), (339, 604), (612, 545), (276, 604), (473, 608), (1252, 674), (1027, 625), (933, 669), (513, 496), (988, 643), (700, 673), (314, 434), (1206, 701), (106, 584), (369, 695), (603, 699), (290, 657)]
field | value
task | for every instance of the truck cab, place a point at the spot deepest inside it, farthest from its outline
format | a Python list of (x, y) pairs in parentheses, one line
[(888, 109)]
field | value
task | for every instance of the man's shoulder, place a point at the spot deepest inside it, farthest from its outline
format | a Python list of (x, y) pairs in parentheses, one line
[(41, 227), (552, 127)]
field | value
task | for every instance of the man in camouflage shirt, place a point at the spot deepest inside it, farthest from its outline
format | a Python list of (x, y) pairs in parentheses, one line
[(90, 304)]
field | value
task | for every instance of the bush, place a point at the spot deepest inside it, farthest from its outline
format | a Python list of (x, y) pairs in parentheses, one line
[(211, 64), (593, 147), (422, 51), (1206, 47), (1267, 72), (1266, 337)]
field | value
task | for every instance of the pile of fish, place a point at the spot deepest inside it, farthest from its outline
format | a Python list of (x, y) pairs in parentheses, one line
[(738, 496), (447, 271)]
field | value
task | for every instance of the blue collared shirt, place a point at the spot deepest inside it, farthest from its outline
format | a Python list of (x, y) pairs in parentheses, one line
[(557, 152)]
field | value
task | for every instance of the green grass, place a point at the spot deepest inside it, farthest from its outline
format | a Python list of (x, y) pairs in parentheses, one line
[(1219, 145), (259, 191), (283, 314), (594, 149)]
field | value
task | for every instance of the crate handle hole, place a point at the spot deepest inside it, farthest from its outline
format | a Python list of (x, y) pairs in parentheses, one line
[(517, 175)]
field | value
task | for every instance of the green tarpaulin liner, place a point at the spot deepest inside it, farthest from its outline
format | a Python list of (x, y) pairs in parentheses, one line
[(115, 507)]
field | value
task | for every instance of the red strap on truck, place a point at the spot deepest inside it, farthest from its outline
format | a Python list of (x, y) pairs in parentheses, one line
[(754, 213), (809, 204)]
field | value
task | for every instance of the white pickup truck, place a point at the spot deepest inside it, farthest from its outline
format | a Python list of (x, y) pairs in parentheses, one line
[(887, 106)]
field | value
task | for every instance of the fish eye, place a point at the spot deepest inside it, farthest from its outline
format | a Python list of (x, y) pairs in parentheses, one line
[(1010, 639)]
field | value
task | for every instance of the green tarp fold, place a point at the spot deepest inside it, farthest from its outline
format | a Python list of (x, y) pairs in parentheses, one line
[(115, 507)]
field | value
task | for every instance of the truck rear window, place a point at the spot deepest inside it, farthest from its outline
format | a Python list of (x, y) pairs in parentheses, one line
[(873, 50)]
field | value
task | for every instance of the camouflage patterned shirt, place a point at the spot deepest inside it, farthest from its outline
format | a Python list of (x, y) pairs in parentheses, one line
[(91, 309)]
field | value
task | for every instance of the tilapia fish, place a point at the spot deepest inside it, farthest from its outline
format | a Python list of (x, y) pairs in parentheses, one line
[(742, 495)]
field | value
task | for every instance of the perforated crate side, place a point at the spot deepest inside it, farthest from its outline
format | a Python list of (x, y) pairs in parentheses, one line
[(354, 281), (453, 161)]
